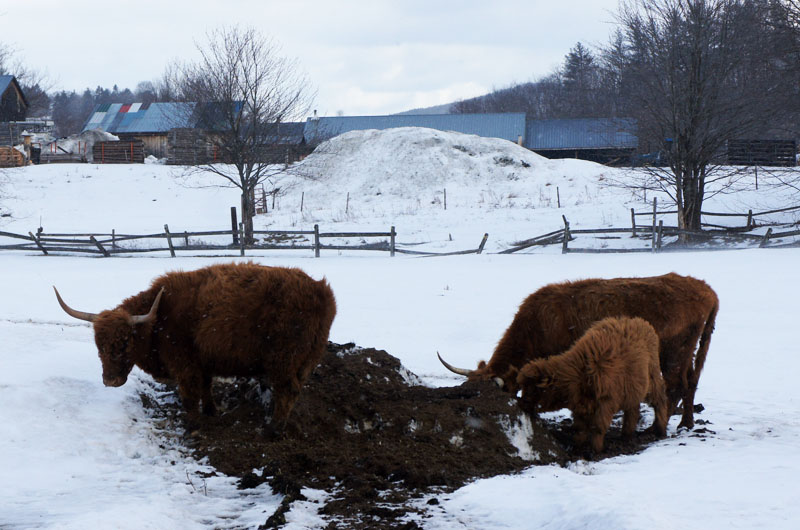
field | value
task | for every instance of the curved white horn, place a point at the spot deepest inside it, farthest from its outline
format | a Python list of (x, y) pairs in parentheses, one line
[(143, 319), (459, 371), (80, 315), (499, 381)]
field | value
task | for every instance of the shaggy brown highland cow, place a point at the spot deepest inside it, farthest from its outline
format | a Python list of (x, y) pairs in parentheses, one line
[(614, 366), (223, 320), (682, 310)]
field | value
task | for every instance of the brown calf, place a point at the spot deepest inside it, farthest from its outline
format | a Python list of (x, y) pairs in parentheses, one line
[(614, 366)]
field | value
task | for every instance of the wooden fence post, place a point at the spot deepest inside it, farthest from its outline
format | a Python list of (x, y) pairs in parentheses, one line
[(565, 243), (483, 243), (169, 241), (114, 238), (392, 235), (347, 204), (234, 226), (38, 243), (558, 197), (655, 208), (316, 241), (186, 238), (445, 198), (241, 239), (302, 200), (633, 222), (749, 219), (765, 241), (660, 234), (98, 245)]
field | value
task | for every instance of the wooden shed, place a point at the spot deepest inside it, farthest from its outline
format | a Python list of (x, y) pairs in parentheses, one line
[(13, 105)]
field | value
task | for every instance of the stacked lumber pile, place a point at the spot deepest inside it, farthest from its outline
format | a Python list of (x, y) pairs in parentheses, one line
[(127, 152), (10, 157), (762, 152)]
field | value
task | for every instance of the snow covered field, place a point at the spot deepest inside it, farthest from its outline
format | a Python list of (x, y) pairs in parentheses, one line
[(75, 454)]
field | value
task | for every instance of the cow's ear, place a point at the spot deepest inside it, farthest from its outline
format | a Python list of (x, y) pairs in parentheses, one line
[(545, 381)]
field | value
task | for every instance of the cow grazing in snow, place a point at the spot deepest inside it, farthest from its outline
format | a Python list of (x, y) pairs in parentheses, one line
[(223, 320), (613, 366), (682, 310)]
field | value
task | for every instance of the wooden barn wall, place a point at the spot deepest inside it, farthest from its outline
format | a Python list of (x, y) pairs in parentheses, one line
[(12, 106), (154, 144)]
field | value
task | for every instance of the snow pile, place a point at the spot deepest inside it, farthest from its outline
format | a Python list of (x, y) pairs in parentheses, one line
[(414, 164)]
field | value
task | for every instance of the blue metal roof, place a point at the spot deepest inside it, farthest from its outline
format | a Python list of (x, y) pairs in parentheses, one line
[(5, 80), (118, 118), (588, 133), (509, 126)]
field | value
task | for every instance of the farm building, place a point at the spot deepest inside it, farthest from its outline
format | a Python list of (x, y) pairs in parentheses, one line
[(287, 142), (179, 131), (603, 140), (508, 126), (149, 123), (13, 105)]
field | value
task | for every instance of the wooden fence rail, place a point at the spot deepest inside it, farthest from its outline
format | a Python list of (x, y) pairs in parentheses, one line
[(656, 231), (108, 244)]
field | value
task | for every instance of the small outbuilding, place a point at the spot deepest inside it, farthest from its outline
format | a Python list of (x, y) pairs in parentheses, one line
[(13, 105)]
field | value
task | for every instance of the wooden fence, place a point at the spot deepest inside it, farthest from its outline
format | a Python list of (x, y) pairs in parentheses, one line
[(118, 152), (109, 244), (655, 232)]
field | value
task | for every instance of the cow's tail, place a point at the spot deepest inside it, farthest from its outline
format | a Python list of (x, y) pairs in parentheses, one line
[(705, 340)]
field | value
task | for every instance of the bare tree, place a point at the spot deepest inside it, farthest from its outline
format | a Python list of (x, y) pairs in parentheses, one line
[(699, 76), (244, 90)]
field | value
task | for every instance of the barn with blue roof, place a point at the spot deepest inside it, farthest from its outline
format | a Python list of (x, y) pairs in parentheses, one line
[(148, 122), (604, 140), (508, 126)]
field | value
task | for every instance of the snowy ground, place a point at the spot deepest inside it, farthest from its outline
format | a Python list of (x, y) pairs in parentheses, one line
[(75, 454)]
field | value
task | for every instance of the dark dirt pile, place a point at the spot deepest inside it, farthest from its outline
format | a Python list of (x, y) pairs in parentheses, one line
[(363, 430)]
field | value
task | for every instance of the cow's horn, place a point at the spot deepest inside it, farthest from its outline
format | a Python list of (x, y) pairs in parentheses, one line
[(143, 319), (459, 371), (80, 315), (499, 381)]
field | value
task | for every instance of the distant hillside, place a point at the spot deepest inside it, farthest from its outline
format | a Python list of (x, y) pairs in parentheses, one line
[(436, 109)]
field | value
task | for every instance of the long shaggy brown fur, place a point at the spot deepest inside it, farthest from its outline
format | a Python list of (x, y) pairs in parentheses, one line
[(682, 310), (223, 320), (613, 367)]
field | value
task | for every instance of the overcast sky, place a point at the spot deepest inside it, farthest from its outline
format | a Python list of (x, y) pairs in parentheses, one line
[(362, 56)]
